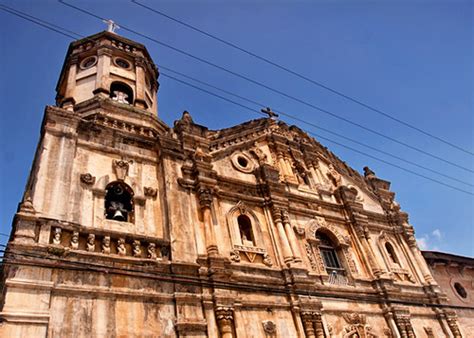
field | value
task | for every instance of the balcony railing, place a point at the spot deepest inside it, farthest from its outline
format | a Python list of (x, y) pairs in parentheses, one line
[(337, 276)]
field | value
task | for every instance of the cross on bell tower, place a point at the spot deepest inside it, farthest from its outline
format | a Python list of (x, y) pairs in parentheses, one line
[(111, 25), (271, 114)]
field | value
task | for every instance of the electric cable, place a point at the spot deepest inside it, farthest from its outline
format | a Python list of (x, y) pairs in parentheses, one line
[(260, 84), (301, 76), (253, 110), (312, 125), (332, 141)]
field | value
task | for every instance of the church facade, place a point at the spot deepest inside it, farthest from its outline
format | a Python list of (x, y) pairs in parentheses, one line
[(132, 228)]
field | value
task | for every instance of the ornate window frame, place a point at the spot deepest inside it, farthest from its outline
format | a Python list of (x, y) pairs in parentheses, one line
[(394, 269), (341, 242), (251, 252)]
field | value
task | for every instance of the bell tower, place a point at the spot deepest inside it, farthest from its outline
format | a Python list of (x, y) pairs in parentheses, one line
[(107, 65)]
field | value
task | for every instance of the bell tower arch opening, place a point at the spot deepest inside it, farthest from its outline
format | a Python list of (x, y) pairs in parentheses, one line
[(119, 202)]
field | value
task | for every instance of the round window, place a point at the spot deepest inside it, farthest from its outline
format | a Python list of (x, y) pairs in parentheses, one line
[(242, 161), (122, 63), (461, 291), (88, 62)]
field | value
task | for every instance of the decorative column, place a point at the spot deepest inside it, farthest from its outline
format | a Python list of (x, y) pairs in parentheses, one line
[(68, 101), (451, 318), (308, 324), (421, 263), (102, 83), (363, 235), (291, 237), (140, 83), (205, 201), (225, 321), (285, 246), (402, 320), (313, 324)]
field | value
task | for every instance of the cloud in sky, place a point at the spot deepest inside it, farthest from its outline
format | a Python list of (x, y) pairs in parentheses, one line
[(430, 241)]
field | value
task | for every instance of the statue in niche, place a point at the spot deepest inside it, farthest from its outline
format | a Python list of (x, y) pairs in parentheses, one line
[(57, 236)]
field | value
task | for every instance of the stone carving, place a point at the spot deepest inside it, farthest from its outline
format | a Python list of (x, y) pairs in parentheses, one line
[(151, 251), (319, 223), (150, 192), (205, 197), (299, 230), (402, 320), (106, 245), (137, 251), (334, 175), (225, 320), (259, 154), (429, 332), (387, 332), (57, 236), (235, 256), (350, 261), (368, 172), (90, 244), (269, 327), (312, 324), (121, 250), (121, 168), (267, 260), (310, 255), (27, 205), (75, 240), (452, 320), (357, 326), (87, 179)]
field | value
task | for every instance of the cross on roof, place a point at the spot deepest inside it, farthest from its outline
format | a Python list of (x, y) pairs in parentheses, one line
[(111, 25), (271, 114)]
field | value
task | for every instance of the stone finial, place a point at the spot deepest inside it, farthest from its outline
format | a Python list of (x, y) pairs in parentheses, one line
[(27, 206), (368, 172)]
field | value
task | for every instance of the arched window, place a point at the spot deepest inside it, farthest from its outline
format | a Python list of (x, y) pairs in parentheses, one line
[(391, 253), (245, 228), (121, 92), (328, 251), (119, 202)]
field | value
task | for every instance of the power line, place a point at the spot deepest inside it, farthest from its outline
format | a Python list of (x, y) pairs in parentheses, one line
[(313, 125), (347, 147), (299, 75), (260, 84), (334, 142)]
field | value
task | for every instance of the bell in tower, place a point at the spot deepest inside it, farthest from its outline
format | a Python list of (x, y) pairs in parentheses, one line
[(108, 66)]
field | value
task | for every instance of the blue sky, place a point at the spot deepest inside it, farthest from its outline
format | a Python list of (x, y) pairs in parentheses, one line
[(413, 59)]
